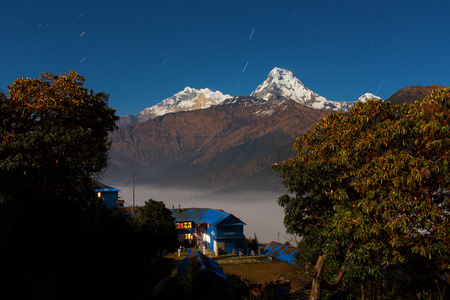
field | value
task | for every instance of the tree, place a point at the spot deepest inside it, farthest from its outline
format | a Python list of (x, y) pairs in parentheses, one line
[(53, 143), (158, 224), (368, 191), (252, 243), (53, 137)]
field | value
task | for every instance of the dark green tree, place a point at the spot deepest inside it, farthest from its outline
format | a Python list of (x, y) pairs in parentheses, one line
[(53, 138), (368, 191), (158, 224), (53, 143), (252, 243)]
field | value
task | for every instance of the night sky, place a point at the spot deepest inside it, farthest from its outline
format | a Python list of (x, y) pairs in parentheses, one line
[(141, 52)]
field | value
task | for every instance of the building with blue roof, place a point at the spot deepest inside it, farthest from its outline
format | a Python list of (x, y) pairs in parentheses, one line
[(108, 195), (280, 251), (212, 228)]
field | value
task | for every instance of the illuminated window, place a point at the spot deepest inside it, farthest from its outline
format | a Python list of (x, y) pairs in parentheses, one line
[(184, 225), (188, 236)]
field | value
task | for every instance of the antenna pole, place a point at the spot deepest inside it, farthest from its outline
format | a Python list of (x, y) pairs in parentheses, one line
[(133, 189)]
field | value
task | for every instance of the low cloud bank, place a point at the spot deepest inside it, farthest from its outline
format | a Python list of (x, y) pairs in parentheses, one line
[(258, 209)]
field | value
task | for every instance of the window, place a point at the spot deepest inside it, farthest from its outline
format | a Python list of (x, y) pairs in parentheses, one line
[(184, 225), (187, 225)]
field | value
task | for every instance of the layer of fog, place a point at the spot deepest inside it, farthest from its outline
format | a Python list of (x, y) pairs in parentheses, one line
[(258, 209)]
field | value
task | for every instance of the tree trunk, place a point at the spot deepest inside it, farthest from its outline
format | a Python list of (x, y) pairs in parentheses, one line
[(316, 287)]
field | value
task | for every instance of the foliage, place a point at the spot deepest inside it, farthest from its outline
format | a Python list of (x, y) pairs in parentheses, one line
[(56, 239), (53, 137), (252, 243), (368, 190), (158, 223), (189, 280)]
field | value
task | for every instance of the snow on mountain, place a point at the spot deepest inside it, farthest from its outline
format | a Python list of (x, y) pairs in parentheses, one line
[(281, 83), (368, 96), (187, 99)]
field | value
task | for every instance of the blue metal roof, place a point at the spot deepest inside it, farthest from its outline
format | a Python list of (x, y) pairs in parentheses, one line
[(189, 214), (216, 217), (281, 252), (205, 215), (208, 268)]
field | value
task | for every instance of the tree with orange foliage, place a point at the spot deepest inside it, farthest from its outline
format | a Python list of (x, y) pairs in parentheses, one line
[(53, 136), (53, 143), (369, 191)]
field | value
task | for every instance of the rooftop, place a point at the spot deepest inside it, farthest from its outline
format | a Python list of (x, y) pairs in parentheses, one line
[(205, 215)]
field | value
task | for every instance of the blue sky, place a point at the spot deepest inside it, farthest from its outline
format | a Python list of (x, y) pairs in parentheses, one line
[(141, 52)]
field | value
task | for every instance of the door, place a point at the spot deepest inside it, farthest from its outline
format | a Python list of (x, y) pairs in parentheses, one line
[(230, 246)]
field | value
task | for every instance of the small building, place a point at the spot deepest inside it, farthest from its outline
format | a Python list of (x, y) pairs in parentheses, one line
[(281, 252), (109, 195), (212, 228)]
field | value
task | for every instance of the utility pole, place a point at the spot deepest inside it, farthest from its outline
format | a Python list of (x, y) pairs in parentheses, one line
[(133, 190)]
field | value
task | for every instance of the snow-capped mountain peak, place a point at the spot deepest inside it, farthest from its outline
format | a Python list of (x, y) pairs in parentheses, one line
[(283, 76), (281, 83), (368, 96), (188, 99)]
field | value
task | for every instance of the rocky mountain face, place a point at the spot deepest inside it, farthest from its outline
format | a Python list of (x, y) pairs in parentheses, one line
[(205, 139), (224, 147), (280, 83), (124, 120), (224, 144)]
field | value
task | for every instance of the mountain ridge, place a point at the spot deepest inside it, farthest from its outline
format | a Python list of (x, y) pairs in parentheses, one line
[(280, 83), (221, 148), (171, 148), (410, 94)]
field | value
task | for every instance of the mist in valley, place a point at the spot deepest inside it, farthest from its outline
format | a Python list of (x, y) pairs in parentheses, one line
[(258, 209)]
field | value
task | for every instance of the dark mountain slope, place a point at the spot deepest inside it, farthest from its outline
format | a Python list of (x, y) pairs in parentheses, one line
[(212, 148), (410, 94)]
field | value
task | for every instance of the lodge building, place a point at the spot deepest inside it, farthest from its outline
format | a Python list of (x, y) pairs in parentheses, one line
[(203, 227), (108, 195), (212, 228)]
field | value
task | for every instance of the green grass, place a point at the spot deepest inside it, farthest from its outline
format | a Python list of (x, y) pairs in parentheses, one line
[(266, 271)]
